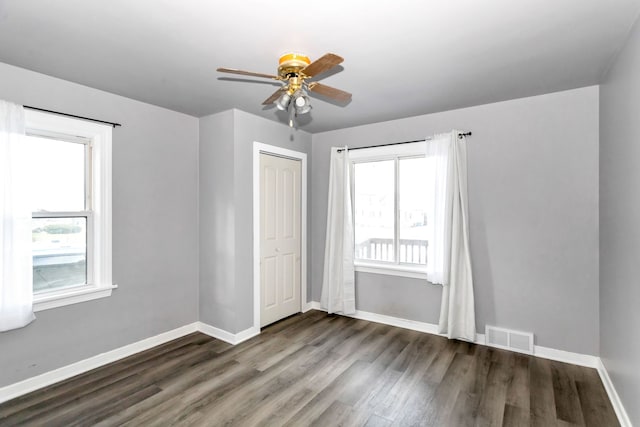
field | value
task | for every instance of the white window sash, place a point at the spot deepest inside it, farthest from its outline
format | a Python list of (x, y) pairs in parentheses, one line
[(98, 198), (395, 153)]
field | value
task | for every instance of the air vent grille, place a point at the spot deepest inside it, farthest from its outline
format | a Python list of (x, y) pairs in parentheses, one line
[(508, 339)]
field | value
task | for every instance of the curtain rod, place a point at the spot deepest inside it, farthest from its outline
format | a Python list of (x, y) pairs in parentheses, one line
[(72, 115), (460, 135)]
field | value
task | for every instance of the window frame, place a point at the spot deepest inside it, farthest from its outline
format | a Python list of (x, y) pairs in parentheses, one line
[(98, 205), (396, 153)]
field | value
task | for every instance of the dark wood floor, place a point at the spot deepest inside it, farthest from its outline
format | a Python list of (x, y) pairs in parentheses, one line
[(315, 369)]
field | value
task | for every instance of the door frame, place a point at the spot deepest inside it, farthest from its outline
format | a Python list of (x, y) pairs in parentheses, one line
[(260, 148)]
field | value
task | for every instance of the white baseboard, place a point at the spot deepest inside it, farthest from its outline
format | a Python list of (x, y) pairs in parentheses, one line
[(429, 328), (315, 305), (225, 336), (247, 334), (566, 356), (48, 378), (214, 332), (623, 417), (399, 322)]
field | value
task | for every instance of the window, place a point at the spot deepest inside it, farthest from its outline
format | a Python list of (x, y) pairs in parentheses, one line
[(70, 196), (389, 204)]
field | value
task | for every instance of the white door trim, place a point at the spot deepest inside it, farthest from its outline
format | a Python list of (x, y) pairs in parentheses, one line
[(258, 148)]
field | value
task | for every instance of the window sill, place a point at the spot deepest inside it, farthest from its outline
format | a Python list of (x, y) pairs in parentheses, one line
[(391, 270), (70, 296)]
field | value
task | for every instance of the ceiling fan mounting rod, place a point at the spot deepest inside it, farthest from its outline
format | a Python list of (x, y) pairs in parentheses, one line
[(295, 83)]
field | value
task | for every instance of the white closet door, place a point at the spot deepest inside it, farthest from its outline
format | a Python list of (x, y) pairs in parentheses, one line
[(280, 191)]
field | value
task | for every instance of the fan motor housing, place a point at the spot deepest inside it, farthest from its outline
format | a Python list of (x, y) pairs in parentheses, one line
[(290, 64)]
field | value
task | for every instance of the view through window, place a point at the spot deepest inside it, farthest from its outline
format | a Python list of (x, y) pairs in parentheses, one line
[(58, 196), (390, 215)]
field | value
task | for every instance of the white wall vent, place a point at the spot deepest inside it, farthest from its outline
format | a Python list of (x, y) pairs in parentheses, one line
[(508, 339)]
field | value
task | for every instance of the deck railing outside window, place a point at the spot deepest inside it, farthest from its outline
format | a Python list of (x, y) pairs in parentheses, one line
[(412, 251)]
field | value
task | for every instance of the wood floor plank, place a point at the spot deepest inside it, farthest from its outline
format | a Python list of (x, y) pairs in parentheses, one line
[(374, 343), (441, 406), (565, 394), (267, 388), (541, 397), (387, 406), (343, 389), (594, 402), (392, 351), (412, 410), (108, 407), (319, 369), (494, 396), (292, 325), (515, 416), (476, 379), (440, 365), (355, 341), (518, 390), (376, 421), (416, 345), (172, 411), (377, 390), (472, 386), (175, 386), (463, 413), (333, 415), (280, 410)]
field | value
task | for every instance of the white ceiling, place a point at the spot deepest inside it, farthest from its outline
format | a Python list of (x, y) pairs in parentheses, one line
[(402, 58)]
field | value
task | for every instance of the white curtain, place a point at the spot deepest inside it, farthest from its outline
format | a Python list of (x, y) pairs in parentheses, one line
[(16, 270), (338, 282), (448, 254)]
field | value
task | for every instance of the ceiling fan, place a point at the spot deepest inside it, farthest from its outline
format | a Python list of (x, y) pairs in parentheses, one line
[(293, 71)]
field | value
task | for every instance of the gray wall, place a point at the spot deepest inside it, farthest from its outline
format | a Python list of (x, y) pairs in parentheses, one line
[(226, 197), (619, 224), (533, 202), (217, 221), (155, 245)]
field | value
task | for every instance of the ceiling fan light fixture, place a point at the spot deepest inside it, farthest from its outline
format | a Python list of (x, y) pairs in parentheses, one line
[(304, 109), (302, 102), (283, 102)]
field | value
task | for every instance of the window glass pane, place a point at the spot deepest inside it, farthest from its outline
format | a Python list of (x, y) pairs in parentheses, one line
[(57, 172), (59, 252), (413, 215), (374, 216)]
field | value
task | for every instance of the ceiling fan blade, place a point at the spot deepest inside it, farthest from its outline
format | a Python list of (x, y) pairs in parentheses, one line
[(274, 96), (322, 64), (247, 73), (330, 92)]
